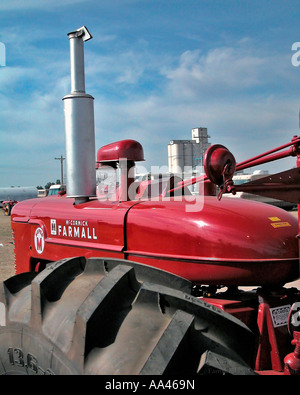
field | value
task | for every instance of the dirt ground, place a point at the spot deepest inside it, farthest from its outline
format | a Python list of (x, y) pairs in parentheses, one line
[(7, 260)]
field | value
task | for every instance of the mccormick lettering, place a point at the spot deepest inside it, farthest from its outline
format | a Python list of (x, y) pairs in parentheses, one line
[(73, 229), (76, 222)]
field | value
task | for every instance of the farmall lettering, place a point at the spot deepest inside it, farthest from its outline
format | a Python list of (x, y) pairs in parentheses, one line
[(73, 229)]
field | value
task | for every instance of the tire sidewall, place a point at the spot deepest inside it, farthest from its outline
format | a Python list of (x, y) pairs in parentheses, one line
[(26, 352)]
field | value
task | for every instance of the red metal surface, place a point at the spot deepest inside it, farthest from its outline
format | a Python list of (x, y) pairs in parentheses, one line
[(220, 244), (292, 360), (273, 343), (92, 229), (242, 310), (260, 313), (217, 159), (124, 149)]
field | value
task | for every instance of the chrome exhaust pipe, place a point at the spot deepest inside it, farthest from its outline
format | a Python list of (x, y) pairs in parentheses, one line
[(79, 126)]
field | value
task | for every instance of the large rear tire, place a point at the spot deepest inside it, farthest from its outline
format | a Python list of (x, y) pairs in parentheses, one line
[(108, 317)]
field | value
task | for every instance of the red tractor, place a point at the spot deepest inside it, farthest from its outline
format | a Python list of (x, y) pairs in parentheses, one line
[(146, 278), (7, 206)]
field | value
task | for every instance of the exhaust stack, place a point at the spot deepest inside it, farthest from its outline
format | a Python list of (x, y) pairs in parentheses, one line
[(79, 126)]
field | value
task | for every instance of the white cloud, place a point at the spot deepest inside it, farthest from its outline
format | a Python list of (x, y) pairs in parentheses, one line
[(222, 70), (123, 68), (10, 77)]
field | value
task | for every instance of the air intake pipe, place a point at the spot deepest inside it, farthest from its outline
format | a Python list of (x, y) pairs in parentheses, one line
[(79, 126)]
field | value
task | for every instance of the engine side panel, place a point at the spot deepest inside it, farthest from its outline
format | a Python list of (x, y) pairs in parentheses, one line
[(54, 228), (227, 242)]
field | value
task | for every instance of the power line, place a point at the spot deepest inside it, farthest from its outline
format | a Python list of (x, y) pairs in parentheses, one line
[(61, 159)]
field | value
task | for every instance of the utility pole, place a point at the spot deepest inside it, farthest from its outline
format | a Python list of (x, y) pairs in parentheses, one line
[(61, 167)]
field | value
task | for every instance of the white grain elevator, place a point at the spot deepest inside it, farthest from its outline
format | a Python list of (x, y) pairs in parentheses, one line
[(188, 154)]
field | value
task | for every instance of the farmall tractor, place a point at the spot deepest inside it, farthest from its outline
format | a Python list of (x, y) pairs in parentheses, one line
[(149, 280)]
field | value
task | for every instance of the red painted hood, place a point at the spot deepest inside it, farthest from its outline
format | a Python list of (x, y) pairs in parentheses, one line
[(221, 242), (255, 242)]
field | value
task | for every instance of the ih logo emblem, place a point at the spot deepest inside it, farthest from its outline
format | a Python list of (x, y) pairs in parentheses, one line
[(53, 227), (39, 240)]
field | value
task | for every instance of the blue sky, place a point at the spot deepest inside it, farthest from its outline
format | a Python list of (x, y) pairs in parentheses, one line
[(156, 68)]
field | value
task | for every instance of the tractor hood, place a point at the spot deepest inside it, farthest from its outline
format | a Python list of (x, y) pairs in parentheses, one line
[(226, 242)]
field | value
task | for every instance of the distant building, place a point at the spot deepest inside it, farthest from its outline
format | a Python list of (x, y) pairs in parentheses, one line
[(183, 154)]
